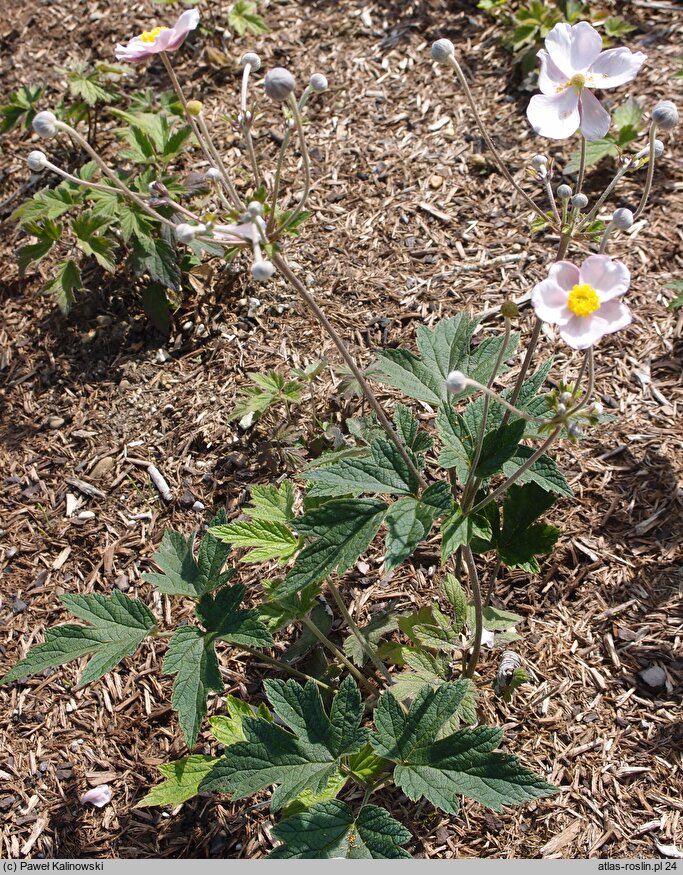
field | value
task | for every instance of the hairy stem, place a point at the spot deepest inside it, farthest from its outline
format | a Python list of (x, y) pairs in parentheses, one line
[(492, 582), (306, 167), (582, 166), (336, 652), (367, 648), (452, 60), (650, 173), (551, 197), (278, 175), (285, 270), (478, 611)]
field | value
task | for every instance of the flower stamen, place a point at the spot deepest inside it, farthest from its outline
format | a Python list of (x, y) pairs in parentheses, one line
[(583, 300), (149, 36), (578, 81)]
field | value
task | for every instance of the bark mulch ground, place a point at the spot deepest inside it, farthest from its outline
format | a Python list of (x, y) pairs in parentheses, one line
[(411, 224)]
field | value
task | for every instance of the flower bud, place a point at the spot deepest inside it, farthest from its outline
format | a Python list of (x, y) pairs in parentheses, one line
[(212, 173), (255, 208), (442, 50), (597, 409), (456, 382), (622, 219), (574, 430), (158, 188), (36, 161), (44, 124), (659, 148), (561, 409), (184, 233), (539, 161), (665, 115), (279, 84), (509, 309), (318, 83), (194, 108), (262, 270), (252, 59), (579, 201), (564, 192), (565, 397)]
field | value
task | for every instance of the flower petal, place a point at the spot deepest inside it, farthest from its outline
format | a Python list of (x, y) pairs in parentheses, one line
[(615, 67), (565, 274), (580, 332), (613, 316), (549, 301), (586, 45), (550, 77), (595, 120), (558, 44), (608, 277), (188, 21), (555, 116), (98, 796)]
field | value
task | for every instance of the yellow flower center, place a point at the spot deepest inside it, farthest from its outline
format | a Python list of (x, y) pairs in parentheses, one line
[(583, 300), (578, 81), (149, 36)]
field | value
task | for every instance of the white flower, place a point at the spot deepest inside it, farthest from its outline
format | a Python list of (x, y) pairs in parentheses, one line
[(279, 84), (44, 124), (262, 271), (98, 796), (583, 301), (571, 64), (36, 161), (456, 382)]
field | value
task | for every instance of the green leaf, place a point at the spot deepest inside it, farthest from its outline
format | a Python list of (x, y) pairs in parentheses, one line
[(596, 150), (26, 255), (183, 778), (157, 307), (366, 765), (405, 371), (383, 471), (156, 257), (462, 763), (330, 830), (67, 280), (222, 618), (499, 446), (192, 658), (458, 443), (228, 730), (307, 641), (306, 800), (458, 530), (272, 503), (520, 540), (439, 635), (281, 608), (456, 596), (629, 114), (544, 472), (409, 522), (181, 574), (379, 626), (119, 625), (429, 670), (301, 759), (270, 540), (342, 529)]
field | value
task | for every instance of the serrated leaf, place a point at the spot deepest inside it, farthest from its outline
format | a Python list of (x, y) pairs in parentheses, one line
[(65, 283), (180, 574), (192, 658), (222, 618), (306, 800), (33, 252), (301, 759), (307, 641), (596, 150), (279, 609), (438, 635), (429, 669), (383, 471), (343, 529), (499, 446), (458, 443), (544, 472), (459, 530), (270, 540), (228, 730), (366, 765), (183, 778), (330, 830), (272, 503), (379, 626), (156, 257), (456, 596), (462, 763), (409, 522), (520, 539), (119, 625)]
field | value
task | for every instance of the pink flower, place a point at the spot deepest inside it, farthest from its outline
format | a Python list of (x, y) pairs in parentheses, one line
[(98, 796), (161, 39), (234, 234), (572, 63), (582, 300)]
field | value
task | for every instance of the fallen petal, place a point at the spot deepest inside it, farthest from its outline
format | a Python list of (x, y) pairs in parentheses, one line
[(98, 796)]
